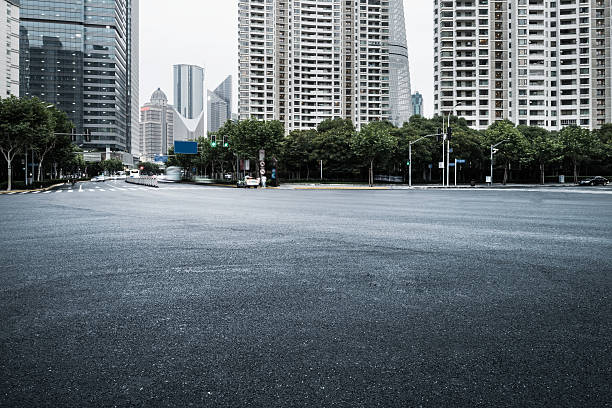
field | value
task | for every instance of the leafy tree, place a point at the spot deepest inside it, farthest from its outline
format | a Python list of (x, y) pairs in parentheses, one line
[(147, 167), (332, 144), (297, 152), (21, 120), (545, 147), (184, 161), (247, 137), (44, 143), (578, 146), (515, 147), (375, 142), (604, 134)]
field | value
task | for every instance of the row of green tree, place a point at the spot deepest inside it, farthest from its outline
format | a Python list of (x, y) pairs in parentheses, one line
[(526, 153), (32, 130)]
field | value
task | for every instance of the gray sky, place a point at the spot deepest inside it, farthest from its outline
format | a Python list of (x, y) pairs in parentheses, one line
[(205, 33)]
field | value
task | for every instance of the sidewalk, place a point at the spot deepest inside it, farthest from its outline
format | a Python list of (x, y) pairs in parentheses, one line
[(339, 186)]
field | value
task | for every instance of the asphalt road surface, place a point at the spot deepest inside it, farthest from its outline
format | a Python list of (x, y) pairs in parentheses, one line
[(119, 295)]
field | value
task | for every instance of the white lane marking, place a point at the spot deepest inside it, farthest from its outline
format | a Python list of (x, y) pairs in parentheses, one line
[(81, 188), (101, 190), (35, 192), (70, 191), (25, 192), (59, 191), (46, 192)]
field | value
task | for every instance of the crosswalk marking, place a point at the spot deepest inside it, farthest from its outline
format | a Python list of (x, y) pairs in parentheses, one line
[(47, 192), (35, 192)]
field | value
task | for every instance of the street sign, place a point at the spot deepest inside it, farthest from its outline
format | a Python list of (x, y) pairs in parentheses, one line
[(262, 171), (488, 179), (181, 147), (262, 154), (161, 159), (460, 161), (450, 150), (262, 164), (451, 164), (431, 166), (440, 165)]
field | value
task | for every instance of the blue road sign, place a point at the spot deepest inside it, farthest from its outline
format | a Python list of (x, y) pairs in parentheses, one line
[(460, 161), (431, 166), (185, 147), (161, 159), (451, 164)]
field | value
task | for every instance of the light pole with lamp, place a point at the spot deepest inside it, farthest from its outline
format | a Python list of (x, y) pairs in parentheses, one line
[(448, 146), (493, 151), (410, 156)]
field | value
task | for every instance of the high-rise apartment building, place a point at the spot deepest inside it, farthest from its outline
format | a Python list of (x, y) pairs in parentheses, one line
[(305, 61), (534, 62), (156, 126), (417, 104), (9, 52), (220, 105), (83, 59), (189, 90)]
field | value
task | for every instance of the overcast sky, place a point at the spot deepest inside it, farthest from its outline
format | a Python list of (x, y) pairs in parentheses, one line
[(205, 33)]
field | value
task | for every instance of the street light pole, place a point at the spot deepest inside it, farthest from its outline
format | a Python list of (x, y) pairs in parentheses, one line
[(448, 145), (492, 153), (409, 164), (410, 156)]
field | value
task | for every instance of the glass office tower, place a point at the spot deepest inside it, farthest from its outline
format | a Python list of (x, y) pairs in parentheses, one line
[(81, 58)]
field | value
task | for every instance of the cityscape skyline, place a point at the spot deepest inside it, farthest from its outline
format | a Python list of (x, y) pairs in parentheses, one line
[(218, 51)]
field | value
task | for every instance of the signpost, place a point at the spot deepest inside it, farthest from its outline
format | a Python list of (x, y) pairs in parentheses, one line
[(181, 147), (161, 159)]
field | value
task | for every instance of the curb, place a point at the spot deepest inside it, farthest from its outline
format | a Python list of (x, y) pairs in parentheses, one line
[(29, 191)]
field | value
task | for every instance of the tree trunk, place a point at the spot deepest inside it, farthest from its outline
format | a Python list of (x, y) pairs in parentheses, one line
[(542, 180), (9, 186), (575, 171), (505, 174), (40, 166)]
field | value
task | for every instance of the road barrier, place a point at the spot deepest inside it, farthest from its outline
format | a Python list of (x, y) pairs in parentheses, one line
[(143, 181)]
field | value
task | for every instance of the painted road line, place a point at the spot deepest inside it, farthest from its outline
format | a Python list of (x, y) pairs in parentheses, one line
[(81, 188), (101, 190), (35, 192), (59, 191), (46, 192), (25, 192), (70, 191)]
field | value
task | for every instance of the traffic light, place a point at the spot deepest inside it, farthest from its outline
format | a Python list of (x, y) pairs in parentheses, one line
[(449, 133), (438, 135), (225, 143), (408, 163), (213, 139)]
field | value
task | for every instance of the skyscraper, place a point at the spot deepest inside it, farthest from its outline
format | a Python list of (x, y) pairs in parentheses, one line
[(537, 63), (9, 51), (417, 104), (84, 60), (189, 90), (302, 62), (156, 126), (220, 105)]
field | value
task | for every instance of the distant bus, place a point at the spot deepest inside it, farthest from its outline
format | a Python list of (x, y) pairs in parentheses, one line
[(134, 173), (173, 173)]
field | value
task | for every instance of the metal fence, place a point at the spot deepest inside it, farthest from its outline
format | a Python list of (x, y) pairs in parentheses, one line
[(143, 181)]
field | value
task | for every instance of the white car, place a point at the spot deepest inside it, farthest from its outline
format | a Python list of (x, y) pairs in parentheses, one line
[(98, 178)]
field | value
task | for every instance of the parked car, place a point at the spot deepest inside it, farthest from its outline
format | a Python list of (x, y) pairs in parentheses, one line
[(98, 178), (248, 182), (594, 181)]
